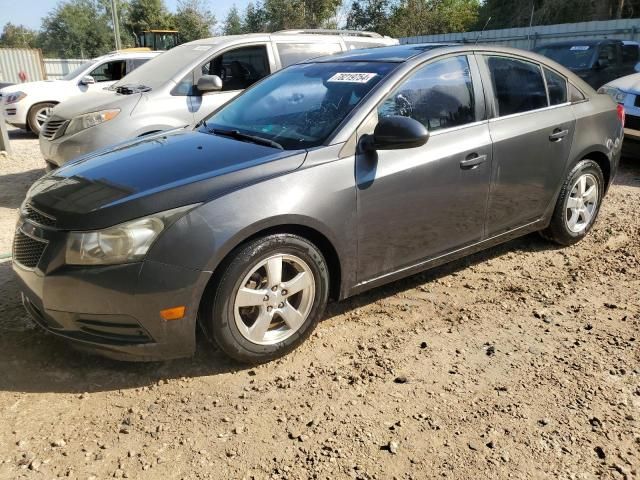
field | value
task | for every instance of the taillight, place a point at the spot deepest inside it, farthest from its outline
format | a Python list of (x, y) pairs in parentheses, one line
[(621, 114)]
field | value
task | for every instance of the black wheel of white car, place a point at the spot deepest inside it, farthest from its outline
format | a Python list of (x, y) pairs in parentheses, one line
[(38, 114), (578, 204), (269, 298)]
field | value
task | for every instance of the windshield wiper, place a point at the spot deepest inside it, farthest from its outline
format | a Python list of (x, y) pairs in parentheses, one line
[(245, 136)]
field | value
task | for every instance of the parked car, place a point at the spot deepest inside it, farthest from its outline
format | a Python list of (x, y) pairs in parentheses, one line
[(595, 61), (625, 91), (325, 179), (183, 85), (27, 105)]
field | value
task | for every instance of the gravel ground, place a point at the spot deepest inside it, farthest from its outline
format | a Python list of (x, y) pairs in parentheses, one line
[(518, 362)]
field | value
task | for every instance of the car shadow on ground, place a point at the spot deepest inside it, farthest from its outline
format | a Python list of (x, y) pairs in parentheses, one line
[(14, 186), (35, 361), (17, 134)]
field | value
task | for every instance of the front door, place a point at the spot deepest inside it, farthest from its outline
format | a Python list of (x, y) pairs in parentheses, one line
[(532, 135), (239, 68), (419, 203)]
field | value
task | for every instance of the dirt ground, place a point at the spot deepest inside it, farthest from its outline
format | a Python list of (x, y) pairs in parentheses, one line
[(519, 362)]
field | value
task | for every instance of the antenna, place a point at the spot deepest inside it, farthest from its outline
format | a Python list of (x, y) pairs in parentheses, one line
[(482, 31)]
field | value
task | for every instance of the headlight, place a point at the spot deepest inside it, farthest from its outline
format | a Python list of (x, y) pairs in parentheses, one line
[(616, 94), (124, 243), (14, 97), (88, 120)]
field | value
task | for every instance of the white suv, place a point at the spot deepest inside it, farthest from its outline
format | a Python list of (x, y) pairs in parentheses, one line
[(184, 85), (26, 105)]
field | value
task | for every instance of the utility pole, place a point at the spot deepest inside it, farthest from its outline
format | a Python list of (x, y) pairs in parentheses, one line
[(116, 26)]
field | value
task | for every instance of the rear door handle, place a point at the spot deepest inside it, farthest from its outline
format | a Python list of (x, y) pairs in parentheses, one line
[(472, 161), (558, 135)]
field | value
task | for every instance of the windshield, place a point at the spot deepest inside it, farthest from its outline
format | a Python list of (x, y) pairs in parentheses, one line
[(571, 56), (157, 71), (300, 106), (77, 71)]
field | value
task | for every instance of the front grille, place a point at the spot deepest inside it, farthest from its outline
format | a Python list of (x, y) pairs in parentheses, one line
[(53, 128), (38, 217), (632, 122), (27, 251), (11, 111)]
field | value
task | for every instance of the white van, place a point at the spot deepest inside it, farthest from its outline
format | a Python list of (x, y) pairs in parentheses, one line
[(183, 85)]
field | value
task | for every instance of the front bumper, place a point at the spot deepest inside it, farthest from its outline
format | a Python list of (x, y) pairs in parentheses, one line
[(112, 310), (16, 114)]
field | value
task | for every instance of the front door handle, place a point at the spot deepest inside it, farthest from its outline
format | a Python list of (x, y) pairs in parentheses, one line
[(472, 161), (558, 135)]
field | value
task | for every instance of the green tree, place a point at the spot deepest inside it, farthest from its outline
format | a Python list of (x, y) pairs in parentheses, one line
[(147, 15), (255, 19), (18, 36), (371, 15), (233, 23), (194, 20), (77, 28), (425, 17)]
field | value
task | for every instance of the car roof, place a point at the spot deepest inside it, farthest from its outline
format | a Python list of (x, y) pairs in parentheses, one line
[(392, 54), (319, 35)]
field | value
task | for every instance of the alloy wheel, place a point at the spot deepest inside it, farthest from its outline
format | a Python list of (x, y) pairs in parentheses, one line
[(274, 299), (582, 203)]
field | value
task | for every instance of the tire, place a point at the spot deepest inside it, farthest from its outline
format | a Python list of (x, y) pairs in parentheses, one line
[(258, 324), (37, 116), (567, 226)]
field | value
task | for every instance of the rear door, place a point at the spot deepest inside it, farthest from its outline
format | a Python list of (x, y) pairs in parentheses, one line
[(419, 203), (532, 132)]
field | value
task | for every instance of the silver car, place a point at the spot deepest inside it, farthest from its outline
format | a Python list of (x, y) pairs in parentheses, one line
[(183, 85)]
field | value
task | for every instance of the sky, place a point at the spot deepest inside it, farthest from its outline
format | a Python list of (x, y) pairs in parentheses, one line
[(30, 12)]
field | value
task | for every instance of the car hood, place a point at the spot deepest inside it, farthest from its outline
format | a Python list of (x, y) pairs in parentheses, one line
[(630, 83), (156, 173), (94, 102), (36, 87)]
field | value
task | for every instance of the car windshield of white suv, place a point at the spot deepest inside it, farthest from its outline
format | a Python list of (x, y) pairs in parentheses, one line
[(77, 71), (298, 107), (159, 70)]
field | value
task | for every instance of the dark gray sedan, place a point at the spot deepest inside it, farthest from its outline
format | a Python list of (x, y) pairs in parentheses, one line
[(323, 180)]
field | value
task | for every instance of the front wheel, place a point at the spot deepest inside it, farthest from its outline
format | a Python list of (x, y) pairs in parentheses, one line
[(269, 298), (578, 204), (38, 115)]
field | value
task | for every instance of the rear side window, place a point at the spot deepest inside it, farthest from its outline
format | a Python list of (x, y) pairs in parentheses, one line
[(109, 72), (355, 44), (575, 95), (134, 63), (438, 95), (291, 53), (518, 85), (557, 86)]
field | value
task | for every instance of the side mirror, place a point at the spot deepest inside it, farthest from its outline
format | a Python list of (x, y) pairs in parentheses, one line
[(601, 63), (87, 80), (394, 133), (209, 83)]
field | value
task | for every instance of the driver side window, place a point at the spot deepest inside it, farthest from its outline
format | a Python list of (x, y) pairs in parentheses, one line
[(438, 95)]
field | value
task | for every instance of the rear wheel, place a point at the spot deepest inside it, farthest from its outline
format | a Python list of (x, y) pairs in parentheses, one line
[(578, 204), (38, 115), (269, 298)]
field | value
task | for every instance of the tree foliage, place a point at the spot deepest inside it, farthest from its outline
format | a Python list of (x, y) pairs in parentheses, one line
[(193, 20), (233, 22), (18, 36), (77, 28)]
